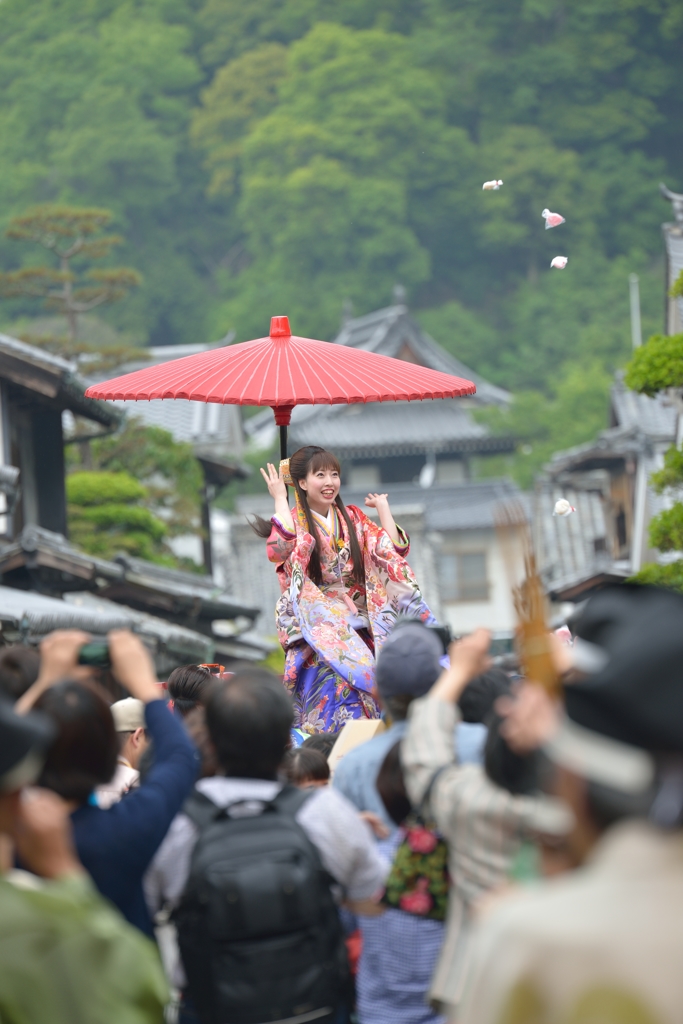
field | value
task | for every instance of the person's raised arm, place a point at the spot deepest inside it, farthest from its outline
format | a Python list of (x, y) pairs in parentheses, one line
[(468, 658), (278, 492), (380, 502), (58, 660), (428, 746), (133, 666)]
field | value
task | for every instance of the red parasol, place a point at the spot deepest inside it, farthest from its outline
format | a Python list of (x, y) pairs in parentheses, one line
[(283, 371)]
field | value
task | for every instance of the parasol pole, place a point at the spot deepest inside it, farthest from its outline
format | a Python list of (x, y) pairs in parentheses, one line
[(283, 416)]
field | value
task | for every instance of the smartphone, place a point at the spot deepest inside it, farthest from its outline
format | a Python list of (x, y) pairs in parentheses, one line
[(95, 654)]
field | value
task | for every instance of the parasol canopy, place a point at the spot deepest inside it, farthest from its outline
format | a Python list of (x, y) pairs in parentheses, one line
[(283, 371)]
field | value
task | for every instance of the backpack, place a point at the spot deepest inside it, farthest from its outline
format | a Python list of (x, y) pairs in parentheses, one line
[(418, 881), (258, 929)]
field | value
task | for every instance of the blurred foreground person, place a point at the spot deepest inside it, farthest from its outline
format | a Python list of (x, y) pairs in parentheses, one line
[(19, 667), (603, 943), (401, 949), (483, 823), (129, 723), (66, 956), (115, 845), (249, 866), (407, 666)]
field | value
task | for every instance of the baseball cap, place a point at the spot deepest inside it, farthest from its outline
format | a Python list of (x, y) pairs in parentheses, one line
[(129, 714), (24, 740), (409, 661)]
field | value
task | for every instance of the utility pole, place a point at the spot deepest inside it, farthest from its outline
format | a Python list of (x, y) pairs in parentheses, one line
[(636, 330)]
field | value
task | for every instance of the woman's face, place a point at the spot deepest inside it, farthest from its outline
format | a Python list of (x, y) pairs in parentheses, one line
[(322, 487)]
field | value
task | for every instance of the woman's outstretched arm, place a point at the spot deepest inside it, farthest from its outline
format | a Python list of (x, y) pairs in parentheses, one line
[(278, 492), (381, 503)]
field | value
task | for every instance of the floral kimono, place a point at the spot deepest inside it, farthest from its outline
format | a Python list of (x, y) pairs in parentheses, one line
[(332, 634)]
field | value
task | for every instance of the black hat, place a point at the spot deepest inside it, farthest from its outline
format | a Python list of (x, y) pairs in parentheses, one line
[(636, 697), (633, 700), (410, 660), (23, 742)]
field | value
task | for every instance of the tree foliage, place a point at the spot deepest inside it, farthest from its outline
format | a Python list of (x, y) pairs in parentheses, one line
[(73, 235), (143, 489), (656, 366), (281, 156), (106, 517), (573, 413), (167, 469)]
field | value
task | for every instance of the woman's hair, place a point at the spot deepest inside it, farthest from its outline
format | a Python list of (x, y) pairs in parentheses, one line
[(195, 723), (305, 765), (309, 460), (84, 752), (321, 741), (19, 667), (391, 786), (187, 687)]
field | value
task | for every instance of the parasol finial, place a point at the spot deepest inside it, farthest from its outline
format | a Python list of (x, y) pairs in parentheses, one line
[(279, 327)]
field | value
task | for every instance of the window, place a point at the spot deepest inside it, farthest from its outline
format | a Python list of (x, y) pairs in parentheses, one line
[(363, 478), (463, 576), (450, 471)]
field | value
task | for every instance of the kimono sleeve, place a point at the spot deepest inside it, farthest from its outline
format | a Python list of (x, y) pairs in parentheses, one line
[(280, 543), (403, 546)]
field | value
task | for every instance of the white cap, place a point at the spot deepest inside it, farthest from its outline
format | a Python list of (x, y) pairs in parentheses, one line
[(129, 714)]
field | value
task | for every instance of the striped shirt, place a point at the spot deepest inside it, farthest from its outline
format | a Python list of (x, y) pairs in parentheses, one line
[(482, 824)]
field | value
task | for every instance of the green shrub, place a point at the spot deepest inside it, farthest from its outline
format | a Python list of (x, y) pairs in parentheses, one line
[(656, 365), (97, 488)]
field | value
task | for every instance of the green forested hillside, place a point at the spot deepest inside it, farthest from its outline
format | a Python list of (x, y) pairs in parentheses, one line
[(282, 156)]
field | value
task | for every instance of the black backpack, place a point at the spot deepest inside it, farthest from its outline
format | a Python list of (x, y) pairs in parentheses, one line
[(258, 928)]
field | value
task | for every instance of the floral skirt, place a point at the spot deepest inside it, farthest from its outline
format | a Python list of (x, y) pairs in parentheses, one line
[(323, 700)]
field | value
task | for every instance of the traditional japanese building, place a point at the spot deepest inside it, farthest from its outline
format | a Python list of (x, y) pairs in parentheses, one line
[(36, 390), (213, 430), (398, 442), (45, 581), (421, 454), (673, 245), (607, 480)]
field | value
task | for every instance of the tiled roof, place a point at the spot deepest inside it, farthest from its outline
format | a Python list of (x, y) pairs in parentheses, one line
[(206, 424), (127, 580), (31, 616), (575, 548), (388, 331), (652, 416), (617, 442), (395, 428), (202, 423), (40, 371)]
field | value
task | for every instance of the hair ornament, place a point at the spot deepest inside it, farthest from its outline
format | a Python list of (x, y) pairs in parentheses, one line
[(284, 472)]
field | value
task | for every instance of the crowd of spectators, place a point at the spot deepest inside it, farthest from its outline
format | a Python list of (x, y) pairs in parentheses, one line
[(497, 853)]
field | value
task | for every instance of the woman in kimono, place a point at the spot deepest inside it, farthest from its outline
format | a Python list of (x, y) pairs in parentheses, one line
[(344, 581)]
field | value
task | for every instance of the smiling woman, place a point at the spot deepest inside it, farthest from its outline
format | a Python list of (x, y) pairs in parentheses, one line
[(344, 581)]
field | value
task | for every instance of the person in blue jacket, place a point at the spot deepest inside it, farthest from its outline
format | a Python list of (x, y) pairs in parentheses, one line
[(115, 845)]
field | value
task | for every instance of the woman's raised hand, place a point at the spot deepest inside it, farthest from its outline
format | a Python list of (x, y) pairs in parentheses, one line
[(276, 485), (377, 501)]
